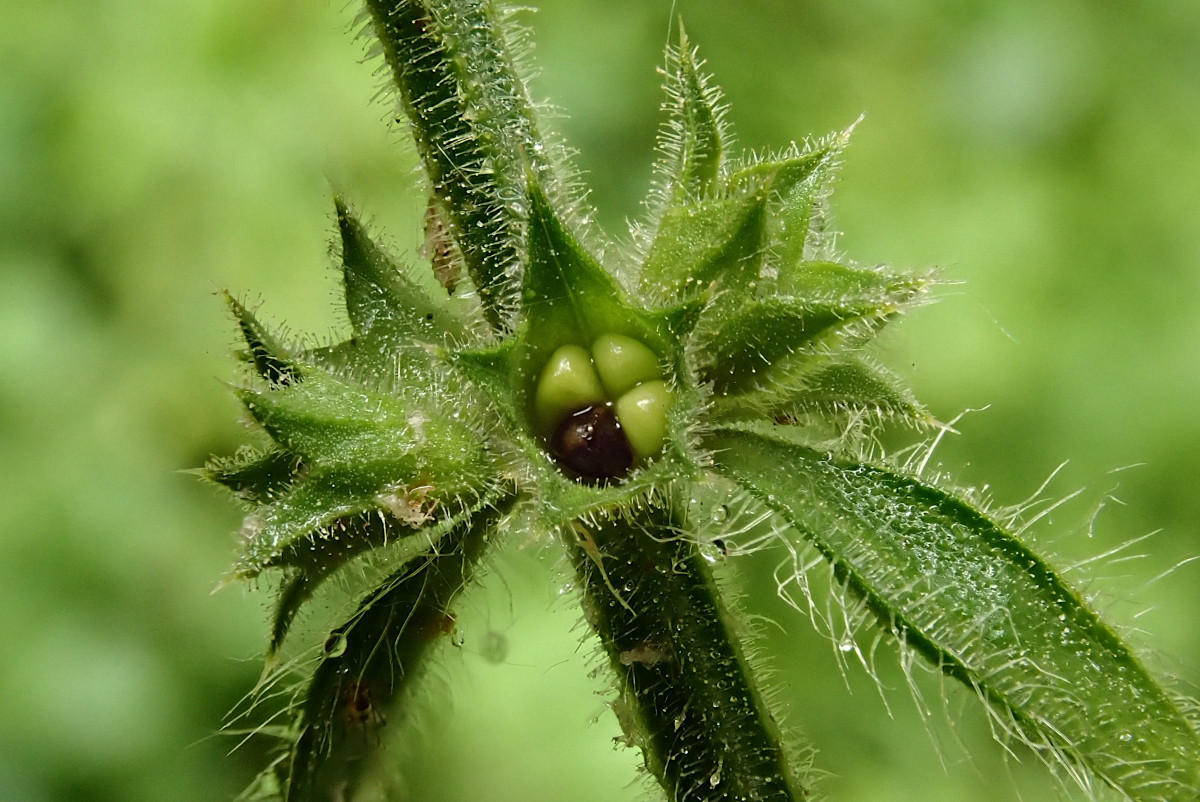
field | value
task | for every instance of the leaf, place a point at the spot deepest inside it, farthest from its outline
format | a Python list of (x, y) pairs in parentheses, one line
[(705, 730), (971, 598), (765, 345), (314, 559), (762, 208), (376, 656)]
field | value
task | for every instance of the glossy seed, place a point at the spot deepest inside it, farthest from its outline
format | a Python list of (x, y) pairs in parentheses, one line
[(592, 444)]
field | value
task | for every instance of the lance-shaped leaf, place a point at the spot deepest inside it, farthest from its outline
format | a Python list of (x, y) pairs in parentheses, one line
[(474, 128), (375, 657), (701, 721), (386, 308), (692, 140), (976, 602)]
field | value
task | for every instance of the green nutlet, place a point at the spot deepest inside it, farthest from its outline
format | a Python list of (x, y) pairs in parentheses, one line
[(604, 409)]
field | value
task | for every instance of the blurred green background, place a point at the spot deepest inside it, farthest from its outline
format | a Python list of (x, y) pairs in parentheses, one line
[(1045, 156)]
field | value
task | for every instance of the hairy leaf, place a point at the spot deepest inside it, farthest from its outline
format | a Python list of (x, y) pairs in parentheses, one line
[(982, 607)]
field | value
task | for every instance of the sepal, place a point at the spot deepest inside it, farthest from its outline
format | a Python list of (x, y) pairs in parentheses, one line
[(841, 388), (765, 345), (254, 476), (336, 424), (837, 281), (271, 360), (715, 241), (693, 140), (568, 297), (385, 306)]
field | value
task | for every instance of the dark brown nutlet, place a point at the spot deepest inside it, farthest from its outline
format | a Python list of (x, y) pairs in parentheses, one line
[(592, 444)]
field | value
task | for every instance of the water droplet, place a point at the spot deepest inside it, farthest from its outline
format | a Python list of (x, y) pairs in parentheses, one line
[(335, 645)]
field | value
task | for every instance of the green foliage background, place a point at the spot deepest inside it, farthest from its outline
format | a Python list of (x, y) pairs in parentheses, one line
[(1042, 153)]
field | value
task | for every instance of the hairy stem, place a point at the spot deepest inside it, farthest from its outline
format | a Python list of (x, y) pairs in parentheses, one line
[(692, 704), (474, 128)]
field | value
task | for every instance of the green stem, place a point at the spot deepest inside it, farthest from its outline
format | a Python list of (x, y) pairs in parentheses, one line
[(474, 128), (700, 720)]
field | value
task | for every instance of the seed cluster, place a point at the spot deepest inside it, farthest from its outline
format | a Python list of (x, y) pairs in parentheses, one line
[(603, 409)]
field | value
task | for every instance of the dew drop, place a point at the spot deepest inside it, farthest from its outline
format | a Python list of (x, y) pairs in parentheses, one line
[(335, 645)]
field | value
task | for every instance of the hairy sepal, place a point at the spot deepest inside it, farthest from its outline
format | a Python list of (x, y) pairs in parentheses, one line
[(751, 225), (361, 451), (716, 241), (694, 139), (270, 359), (843, 388), (388, 309), (254, 476), (977, 603)]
